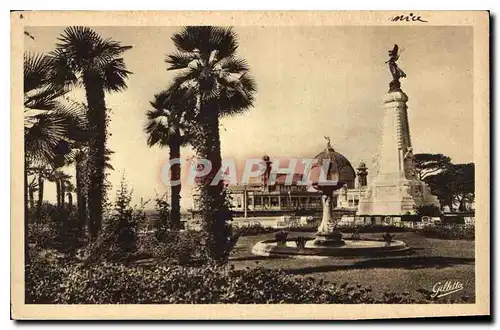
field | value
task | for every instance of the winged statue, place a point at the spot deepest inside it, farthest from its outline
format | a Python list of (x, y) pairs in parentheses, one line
[(395, 70)]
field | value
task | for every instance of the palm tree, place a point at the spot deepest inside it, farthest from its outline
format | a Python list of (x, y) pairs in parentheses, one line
[(222, 87), (82, 56), (167, 126), (46, 120), (70, 189)]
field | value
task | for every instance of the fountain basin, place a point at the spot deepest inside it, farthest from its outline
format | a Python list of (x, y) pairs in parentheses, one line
[(364, 248)]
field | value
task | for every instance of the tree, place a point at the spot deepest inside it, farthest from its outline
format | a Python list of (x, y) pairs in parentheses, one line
[(70, 189), (46, 121), (167, 126), (83, 57), (430, 164), (463, 185), (222, 86), (454, 186)]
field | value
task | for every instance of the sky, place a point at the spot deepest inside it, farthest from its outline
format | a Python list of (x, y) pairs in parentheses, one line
[(312, 82)]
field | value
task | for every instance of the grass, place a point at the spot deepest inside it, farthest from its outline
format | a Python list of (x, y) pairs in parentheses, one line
[(431, 261)]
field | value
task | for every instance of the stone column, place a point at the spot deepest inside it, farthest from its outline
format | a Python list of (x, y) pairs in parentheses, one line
[(395, 190)]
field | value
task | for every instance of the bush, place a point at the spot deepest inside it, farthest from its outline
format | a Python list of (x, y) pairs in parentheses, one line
[(451, 232), (300, 241), (253, 229), (118, 239), (109, 283), (427, 210), (356, 236), (175, 248), (365, 229), (44, 275), (163, 222), (387, 237), (281, 237), (60, 231)]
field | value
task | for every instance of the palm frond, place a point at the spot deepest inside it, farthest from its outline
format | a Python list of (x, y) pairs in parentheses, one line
[(64, 72), (115, 75), (205, 39), (79, 45), (233, 65), (37, 68), (180, 60), (168, 120)]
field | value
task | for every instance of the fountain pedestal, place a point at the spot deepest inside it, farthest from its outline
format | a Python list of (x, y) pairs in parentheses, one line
[(327, 234)]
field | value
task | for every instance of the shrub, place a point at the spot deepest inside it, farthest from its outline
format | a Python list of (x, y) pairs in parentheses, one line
[(109, 283), (356, 236), (176, 248), (373, 229), (387, 237), (118, 239), (60, 230), (253, 229), (300, 241), (163, 223), (427, 210), (281, 237), (451, 232), (44, 275)]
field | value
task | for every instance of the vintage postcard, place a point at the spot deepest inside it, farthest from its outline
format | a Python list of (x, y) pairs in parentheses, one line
[(250, 165)]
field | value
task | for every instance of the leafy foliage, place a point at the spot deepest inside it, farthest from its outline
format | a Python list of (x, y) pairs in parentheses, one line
[(452, 232), (388, 237), (427, 210), (430, 164), (281, 237), (300, 241), (118, 241), (108, 283), (174, 248), (453, 184), (163, 223)]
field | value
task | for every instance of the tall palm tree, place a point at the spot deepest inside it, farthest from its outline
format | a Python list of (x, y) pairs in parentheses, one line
[(82, 56), (220, 81), (167, 126)]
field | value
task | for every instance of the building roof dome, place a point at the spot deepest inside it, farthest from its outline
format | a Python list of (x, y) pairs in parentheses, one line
[(340, 168)]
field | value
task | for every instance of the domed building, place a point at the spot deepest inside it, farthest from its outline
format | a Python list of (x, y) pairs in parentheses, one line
[(279, 203)]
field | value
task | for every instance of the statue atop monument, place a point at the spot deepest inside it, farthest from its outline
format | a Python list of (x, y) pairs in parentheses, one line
[(396, 72)]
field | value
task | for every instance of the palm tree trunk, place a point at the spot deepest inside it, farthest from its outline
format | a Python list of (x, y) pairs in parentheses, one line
[(97, 119), (70, 202), (58, 193), (213, 206), (175, 174), (81, 199), (63, 193), (32, 199), (40, 197)]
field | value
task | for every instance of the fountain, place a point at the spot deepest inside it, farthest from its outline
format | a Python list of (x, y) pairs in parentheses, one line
[(328, 240)]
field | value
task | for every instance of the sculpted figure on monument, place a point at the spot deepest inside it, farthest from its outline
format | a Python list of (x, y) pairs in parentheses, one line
[(396, 72), (409, 168)]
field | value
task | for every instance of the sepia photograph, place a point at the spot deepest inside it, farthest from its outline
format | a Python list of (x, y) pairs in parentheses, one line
[(264, 159)]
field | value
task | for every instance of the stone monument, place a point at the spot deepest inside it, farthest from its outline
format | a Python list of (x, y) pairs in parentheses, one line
[(395, 189)]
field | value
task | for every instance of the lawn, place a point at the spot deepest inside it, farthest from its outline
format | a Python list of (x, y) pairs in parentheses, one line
[(431, 261)]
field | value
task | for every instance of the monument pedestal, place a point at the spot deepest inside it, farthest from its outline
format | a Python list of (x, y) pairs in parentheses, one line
[(395, 190)]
